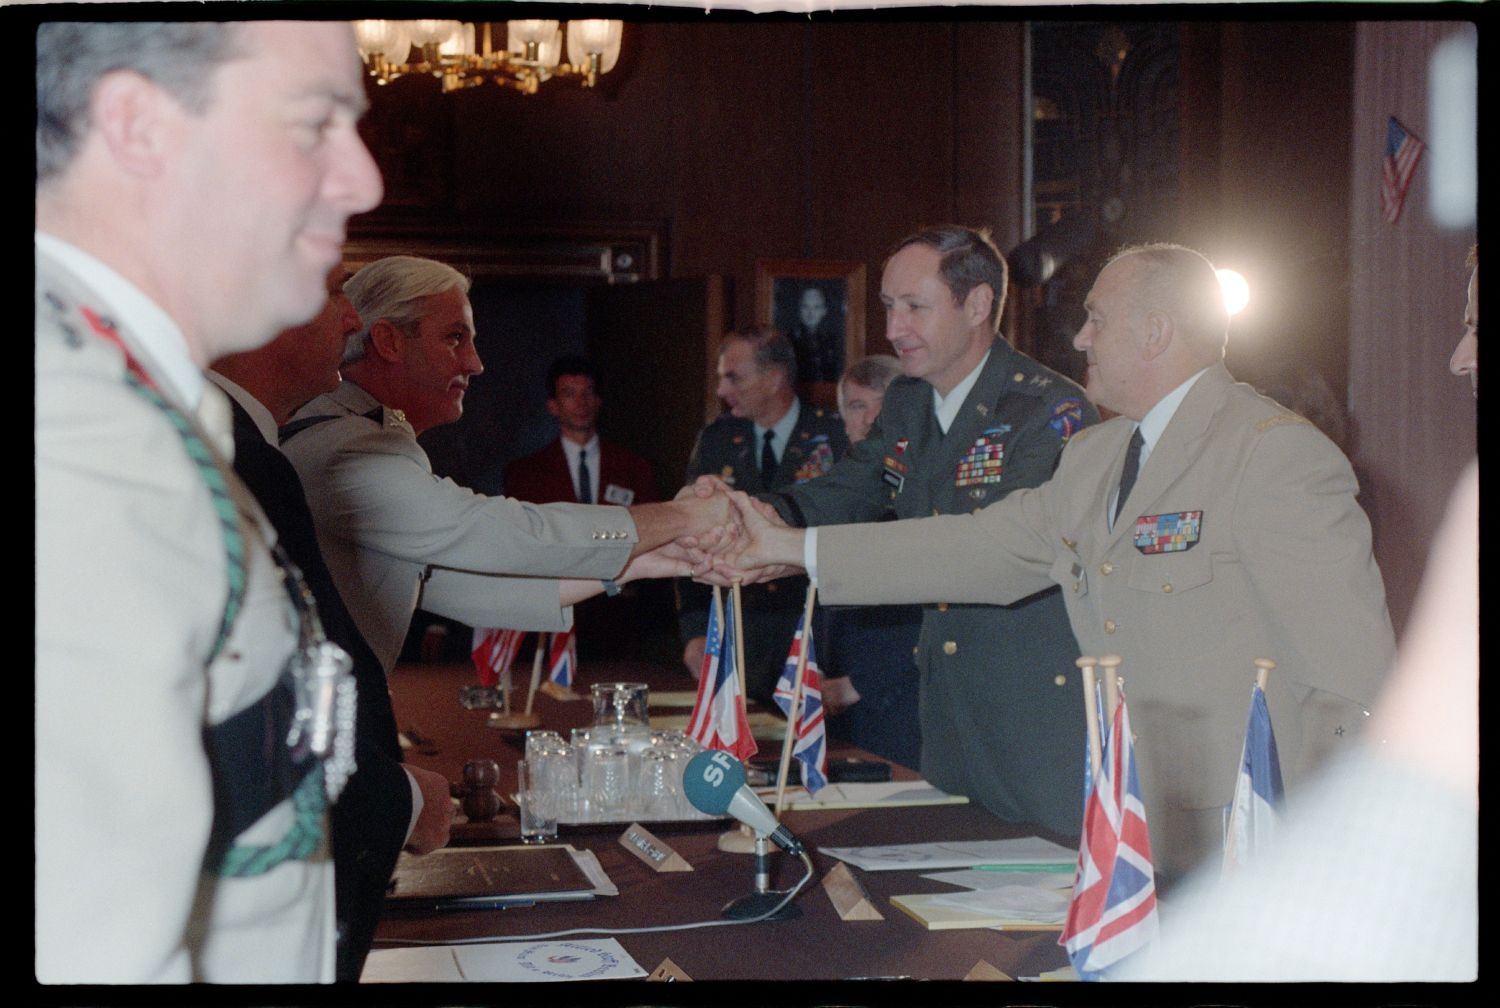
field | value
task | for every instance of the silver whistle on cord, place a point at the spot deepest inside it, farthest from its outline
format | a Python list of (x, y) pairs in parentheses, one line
[(323, 725), (318, 668)]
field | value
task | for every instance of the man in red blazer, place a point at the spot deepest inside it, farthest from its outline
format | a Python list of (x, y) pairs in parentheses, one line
[(610, 474), (607, 627)]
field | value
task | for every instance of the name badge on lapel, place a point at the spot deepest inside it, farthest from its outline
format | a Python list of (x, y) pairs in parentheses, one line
[(623, 496), (1168, 533), (984, 462)]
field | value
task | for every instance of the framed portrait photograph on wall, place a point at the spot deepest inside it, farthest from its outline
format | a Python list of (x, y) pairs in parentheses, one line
[(819, 305)]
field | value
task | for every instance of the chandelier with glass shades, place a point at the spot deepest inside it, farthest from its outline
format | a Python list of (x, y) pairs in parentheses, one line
[(533, 51)]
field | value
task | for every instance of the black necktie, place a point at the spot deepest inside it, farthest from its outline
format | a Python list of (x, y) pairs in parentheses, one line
[(585, 488), (767, 462), (1128, 474)]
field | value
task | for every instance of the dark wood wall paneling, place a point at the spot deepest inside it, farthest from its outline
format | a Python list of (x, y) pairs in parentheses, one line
[(784, 139)]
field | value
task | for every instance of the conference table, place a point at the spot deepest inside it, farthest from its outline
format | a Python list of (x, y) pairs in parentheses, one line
[(817, 945)]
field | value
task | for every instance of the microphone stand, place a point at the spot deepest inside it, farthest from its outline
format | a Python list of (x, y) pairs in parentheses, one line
[(764, 898)]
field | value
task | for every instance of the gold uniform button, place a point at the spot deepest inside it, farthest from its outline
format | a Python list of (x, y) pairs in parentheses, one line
[(1106, 568), (950, 648), (942, 607), (1167, 588), (1018, 376), (1060, 680), (770, 586), (1109, 626)]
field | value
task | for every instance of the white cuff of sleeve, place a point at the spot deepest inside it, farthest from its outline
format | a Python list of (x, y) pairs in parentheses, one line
[(416, 802), (810, 553)]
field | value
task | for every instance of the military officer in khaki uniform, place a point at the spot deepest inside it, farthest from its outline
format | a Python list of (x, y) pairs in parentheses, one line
[(1238, 538), (394, 535), (193, 181)]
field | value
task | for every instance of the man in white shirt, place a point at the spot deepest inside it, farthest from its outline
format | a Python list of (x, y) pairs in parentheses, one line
[(1235, 537), (193, 182)]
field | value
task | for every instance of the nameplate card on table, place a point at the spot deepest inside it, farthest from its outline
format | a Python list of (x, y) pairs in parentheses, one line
[(468, 878), (668, 972), (848, 896), (986, 971), (657, 854)]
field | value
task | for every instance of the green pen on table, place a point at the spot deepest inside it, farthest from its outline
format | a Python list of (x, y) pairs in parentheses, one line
[(1027, 867)]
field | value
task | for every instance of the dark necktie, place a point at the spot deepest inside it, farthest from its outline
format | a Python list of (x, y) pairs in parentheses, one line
[(767, 462), (1128, 474), (585, 488)]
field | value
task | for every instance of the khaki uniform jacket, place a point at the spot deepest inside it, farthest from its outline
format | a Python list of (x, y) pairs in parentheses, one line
[(395, 536), (1273, 561), (131, 586)]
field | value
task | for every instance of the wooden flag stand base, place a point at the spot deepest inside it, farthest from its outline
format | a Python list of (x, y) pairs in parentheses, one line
[(738, 841), (560, 693), (513, 720)]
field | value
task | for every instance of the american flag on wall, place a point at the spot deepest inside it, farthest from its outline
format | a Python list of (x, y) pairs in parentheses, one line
[(1402, 152)]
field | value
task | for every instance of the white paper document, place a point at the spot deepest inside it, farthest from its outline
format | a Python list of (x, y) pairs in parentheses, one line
[(1013, 902), (973, 878), (877, 794), (503, 962), (956, 854)]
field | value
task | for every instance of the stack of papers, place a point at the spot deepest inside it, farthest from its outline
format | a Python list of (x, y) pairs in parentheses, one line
[(1018, 884), (454, 878), (882, 794), (1029, 851)]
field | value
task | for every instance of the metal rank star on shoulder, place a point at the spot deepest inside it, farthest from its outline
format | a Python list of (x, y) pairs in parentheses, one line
[(1174, 532), (984, 462)]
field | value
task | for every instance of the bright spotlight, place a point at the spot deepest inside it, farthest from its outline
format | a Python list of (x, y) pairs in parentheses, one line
[(1236, 290)]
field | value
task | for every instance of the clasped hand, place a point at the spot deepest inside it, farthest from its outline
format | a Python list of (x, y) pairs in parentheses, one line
[(763, 545)]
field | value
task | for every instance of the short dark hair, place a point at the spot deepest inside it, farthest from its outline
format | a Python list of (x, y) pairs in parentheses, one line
[(571, 364), (71, 57), (771, 349), (969, 258)]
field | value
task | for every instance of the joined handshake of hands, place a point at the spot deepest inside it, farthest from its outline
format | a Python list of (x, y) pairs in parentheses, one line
[(732, 537), (764, 547)]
